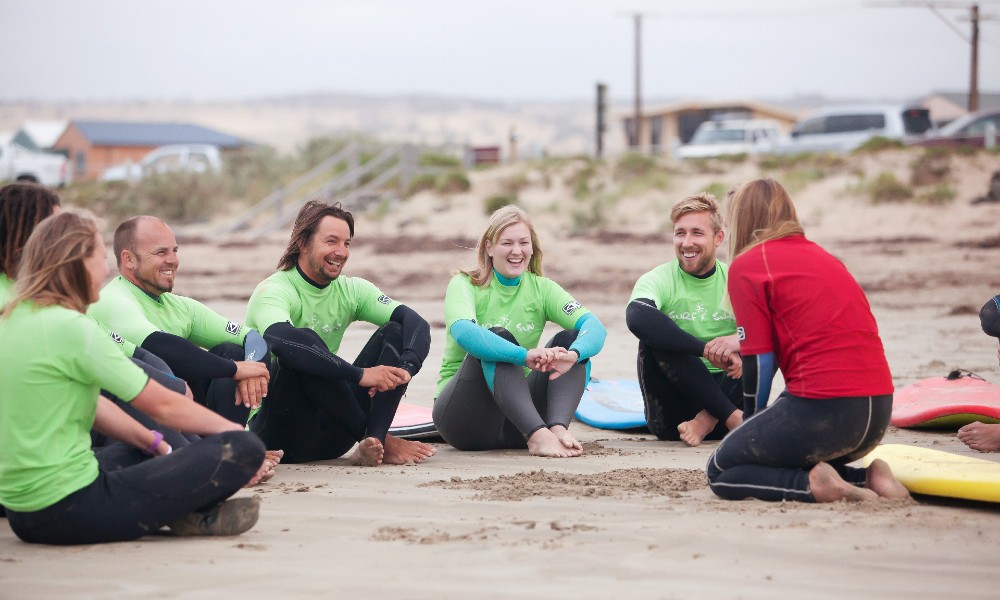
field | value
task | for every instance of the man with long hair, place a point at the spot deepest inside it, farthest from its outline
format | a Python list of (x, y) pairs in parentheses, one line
[(319, 404)]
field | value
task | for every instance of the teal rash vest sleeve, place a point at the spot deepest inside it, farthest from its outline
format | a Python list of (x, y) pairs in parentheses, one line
[(486, 345), (590, 338)]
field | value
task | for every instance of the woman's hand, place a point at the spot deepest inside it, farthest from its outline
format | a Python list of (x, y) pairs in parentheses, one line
[(563, 362)]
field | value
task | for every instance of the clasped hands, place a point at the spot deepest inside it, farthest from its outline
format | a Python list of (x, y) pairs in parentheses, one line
[(724, 353), (556, 360)]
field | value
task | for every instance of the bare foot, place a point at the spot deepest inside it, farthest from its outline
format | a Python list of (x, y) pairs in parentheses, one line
[(274, 456), (401, 452), (545, 443), (981, 436), (369, 453), (881, 481), (694, 431), (827, 485), (567, 439)]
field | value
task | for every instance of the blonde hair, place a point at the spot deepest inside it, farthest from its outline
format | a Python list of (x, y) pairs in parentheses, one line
[(760, 210), (52, 269), (500, 220), (701, 202)]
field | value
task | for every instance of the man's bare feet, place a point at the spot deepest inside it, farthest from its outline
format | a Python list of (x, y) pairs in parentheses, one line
[(401, 452), (984, 437), (369, 453), (827, 485), (693, 432), (567, 439), (545, 443), (881, 481)]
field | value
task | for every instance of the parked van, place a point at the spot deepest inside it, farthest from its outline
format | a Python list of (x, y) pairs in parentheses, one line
[(731, 136), (842, 129)]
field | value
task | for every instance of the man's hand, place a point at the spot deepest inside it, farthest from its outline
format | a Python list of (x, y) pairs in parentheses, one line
[(720, 350), (252, 378), (382, 378)]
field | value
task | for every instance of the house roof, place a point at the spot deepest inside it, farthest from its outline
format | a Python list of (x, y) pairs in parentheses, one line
[(771, 111), (39, 135), (123, 133)]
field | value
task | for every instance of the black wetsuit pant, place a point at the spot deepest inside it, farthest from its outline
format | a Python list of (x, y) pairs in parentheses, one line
[(317, 418), (130, 502), (471, 417), (676, 387), (176, 439), (219, 395), (769, 456)]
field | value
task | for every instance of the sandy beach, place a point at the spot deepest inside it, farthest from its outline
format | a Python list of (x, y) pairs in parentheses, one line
[(633, 517)]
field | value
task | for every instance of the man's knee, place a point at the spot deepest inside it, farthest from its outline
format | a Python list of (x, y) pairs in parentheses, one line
[(228, 350), (392, 334)]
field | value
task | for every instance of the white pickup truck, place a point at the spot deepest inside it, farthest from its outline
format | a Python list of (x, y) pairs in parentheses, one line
[(17, 163)]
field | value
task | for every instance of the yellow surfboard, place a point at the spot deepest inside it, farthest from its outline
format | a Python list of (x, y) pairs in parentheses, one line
[(937, 473)]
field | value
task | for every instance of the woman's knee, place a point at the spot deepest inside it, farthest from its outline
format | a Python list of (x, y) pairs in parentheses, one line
[(243, 447), (504, 333), (563, 339)]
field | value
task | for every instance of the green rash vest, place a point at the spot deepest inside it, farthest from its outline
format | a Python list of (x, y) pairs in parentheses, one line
[(286, 296), (51, 378), (700, 307), (523, 310), (7, 292), (131, 312)]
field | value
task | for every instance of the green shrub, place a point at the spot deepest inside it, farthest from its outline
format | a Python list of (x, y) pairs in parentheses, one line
[(931, 167), (439, 159), (717, 189), (422, 182), (494, 203), (453, 182), (514, 184), (878, 144), (940, 194), (632, 166), (886, 188)]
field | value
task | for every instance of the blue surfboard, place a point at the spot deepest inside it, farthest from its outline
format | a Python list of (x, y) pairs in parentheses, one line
[(612, 404)]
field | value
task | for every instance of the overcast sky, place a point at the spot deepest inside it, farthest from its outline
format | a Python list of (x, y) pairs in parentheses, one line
[(498, 49)]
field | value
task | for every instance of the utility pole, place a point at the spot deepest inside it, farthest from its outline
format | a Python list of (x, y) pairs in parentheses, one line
[(601, 125), (974, 68), (973, 40), (635, 136)]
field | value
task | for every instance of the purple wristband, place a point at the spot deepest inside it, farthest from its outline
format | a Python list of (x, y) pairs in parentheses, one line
[(157, 438)]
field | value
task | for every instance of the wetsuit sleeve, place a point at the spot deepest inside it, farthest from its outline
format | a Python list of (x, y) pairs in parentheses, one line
[(151, 359), (303, 350), (416, 338), (591, 336), (758, 375), (189, 362), (486, 345), (657, 330)]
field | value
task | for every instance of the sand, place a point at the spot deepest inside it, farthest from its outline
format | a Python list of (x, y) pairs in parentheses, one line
[(633, 517)]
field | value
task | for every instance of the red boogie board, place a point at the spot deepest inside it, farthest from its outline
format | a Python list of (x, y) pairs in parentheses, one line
[(413, 422), (946, 403)]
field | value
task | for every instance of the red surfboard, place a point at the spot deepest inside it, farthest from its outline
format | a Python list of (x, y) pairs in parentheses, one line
[(946, 403), (413, 422)]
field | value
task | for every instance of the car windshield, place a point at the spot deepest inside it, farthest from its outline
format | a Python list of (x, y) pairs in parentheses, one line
[(712, 135)]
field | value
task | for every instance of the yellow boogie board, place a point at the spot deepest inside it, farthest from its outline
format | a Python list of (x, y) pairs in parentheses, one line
[(937, 473)]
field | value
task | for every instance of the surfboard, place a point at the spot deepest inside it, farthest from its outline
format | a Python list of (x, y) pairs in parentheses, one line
[(946, 403), (413, 422), (937, 473), (612, 404)]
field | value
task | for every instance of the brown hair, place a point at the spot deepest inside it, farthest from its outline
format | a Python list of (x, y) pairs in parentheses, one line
[(305, 227), (760, 210), (52, 269), (125, 235), (702, 202), (501, 219), (22, 207)]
